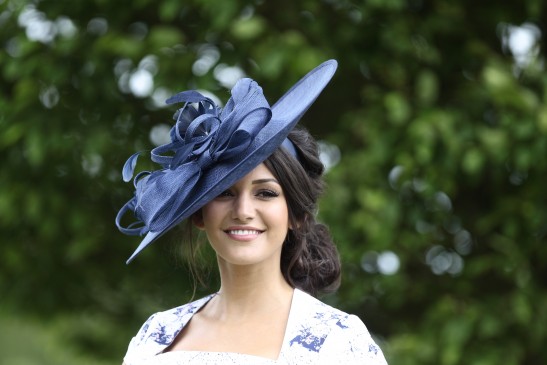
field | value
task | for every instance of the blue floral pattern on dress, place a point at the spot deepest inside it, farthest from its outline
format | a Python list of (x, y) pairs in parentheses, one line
[(316, 334), (308, 340)]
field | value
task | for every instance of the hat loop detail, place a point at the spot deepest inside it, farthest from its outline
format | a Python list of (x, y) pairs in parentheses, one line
[(202, 136)]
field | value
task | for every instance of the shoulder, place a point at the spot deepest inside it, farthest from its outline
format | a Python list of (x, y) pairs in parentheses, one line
[(352, 342), (331, 333), (162, 328), (320, 316)]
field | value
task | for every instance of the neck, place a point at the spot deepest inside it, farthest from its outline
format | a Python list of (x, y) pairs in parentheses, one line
[(250, 290)]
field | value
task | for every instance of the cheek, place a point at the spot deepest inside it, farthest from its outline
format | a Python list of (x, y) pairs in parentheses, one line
[(209, 214), (281, 215)]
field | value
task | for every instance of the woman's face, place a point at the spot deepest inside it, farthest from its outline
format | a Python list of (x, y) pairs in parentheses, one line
[(248, 223)]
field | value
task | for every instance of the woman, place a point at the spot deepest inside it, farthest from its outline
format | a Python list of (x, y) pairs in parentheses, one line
[(250, 180)]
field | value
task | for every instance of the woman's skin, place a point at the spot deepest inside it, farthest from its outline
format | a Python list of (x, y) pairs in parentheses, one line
[(246, 226)]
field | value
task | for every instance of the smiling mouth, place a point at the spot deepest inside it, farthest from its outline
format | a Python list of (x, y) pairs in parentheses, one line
[(243, 232)]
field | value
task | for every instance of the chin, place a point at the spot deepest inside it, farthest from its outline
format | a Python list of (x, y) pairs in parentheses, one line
[(249, 259)]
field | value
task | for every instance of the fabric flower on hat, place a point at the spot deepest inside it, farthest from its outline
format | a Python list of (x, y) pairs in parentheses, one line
[(204, 134)]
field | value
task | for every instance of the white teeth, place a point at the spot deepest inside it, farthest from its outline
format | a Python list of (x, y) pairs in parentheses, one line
[(243, 232)]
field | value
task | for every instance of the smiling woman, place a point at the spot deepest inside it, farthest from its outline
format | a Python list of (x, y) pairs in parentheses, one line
[(251, 181)]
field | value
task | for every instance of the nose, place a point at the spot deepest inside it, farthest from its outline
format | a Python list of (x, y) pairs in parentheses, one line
[(243, 208)]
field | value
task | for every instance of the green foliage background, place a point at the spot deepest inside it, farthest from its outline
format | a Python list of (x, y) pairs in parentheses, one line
[(442, 135)]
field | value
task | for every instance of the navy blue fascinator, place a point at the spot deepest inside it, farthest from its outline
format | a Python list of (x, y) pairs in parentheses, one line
[(211, 149)]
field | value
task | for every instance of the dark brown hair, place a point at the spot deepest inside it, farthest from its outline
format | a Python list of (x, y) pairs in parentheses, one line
[(309, 259)]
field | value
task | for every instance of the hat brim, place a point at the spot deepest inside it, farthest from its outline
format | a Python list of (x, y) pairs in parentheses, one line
[(286, 112)]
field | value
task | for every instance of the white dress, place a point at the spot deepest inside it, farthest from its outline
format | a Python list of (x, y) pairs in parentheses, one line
[(316, 334)]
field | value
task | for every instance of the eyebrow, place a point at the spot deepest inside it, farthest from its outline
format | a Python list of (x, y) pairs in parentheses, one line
[(263, 181)]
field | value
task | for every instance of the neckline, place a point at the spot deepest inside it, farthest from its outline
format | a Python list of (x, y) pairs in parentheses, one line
[(192, 353), (284, 344), (290, 320)]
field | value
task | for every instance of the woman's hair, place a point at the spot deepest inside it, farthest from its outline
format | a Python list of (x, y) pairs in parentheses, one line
[(309, 259)]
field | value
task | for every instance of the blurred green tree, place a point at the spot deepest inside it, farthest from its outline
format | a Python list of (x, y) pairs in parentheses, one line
[(438, 204)]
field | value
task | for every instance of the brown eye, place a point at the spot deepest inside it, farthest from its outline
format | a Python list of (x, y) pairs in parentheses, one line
[(267, 194), (225, 194)]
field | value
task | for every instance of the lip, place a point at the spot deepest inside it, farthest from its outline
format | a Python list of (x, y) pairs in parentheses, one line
[(243, 233)]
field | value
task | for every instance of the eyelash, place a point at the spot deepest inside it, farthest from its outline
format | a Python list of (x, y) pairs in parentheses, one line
[(263, 194), (268, 194)]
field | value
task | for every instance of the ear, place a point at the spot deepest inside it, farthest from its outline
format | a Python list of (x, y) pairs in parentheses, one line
[(292, 226), (197, 220), (297, 223)]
